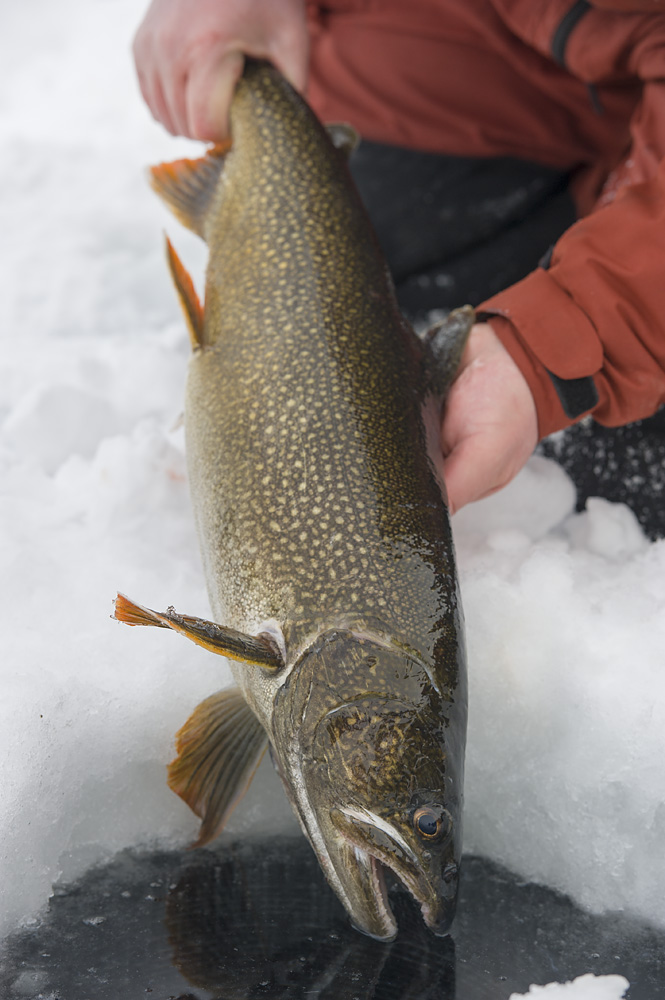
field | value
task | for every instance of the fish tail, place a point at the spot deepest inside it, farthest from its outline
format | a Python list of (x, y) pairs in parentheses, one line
[(188, 186)]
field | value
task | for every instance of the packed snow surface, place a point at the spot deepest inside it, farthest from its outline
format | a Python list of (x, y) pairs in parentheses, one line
[(565, 613), (587, 987)]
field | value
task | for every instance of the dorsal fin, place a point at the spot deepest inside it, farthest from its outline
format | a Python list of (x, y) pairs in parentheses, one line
[(188, 186), (219, 749), (189, 300), (259, 651)]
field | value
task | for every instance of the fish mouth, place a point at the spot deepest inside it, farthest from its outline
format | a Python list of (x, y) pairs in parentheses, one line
[(389, 850), (382, 924)]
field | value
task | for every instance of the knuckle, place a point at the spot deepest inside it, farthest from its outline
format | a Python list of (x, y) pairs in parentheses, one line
[(167, 41), (142, 48), (199, 119)]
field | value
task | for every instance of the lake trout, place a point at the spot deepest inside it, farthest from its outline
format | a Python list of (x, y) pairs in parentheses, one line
[(312, 433)]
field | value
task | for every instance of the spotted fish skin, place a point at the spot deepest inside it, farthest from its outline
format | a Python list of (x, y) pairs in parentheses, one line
[(313, 457), (314, 495)]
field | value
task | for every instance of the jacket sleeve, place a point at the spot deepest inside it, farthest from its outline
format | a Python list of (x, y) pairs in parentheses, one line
[(599, 309)]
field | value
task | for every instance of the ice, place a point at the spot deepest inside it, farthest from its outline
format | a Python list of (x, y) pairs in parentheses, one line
[(567, 702), (608, 529), (29, 982), (565, 612), (56, 421), (587, 987), (532, 505)]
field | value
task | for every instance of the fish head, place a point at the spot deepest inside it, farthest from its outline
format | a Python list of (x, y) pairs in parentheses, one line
[(373, 770)]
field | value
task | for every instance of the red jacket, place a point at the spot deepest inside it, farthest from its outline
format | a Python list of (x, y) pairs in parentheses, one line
[(573, 85)]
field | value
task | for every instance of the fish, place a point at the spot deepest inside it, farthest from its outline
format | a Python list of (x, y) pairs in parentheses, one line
[(312, 415)]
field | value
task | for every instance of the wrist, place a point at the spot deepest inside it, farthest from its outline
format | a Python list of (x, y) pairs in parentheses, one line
[(547, 335), (550, 415)]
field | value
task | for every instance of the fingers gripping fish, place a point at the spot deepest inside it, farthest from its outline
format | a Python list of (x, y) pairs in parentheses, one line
[(311, 415)]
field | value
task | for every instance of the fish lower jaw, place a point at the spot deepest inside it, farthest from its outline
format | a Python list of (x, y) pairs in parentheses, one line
[(385, 927), (378, 867)]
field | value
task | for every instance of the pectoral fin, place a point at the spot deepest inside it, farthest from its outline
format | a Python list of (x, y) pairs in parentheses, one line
[(444, 346), (219, 749), (188, 186), (260, 650)]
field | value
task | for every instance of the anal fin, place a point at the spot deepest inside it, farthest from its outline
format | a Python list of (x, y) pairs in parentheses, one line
[(219, 749), (259, 651), (189, 300)]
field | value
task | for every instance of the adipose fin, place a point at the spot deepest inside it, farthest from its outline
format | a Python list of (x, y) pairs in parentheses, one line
[(444, 345)]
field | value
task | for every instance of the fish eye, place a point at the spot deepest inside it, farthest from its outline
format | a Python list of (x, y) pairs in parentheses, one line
[(431, 822)]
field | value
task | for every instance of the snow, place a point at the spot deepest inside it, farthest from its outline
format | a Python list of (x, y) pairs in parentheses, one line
[(587, 987), (566, 627), (565, 613)]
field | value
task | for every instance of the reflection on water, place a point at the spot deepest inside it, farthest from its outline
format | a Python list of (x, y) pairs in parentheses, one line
[(262, 923), (256, 920)]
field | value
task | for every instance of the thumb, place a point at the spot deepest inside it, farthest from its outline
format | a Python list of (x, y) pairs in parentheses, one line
[(208, 95), (471, 471), (289, 51)]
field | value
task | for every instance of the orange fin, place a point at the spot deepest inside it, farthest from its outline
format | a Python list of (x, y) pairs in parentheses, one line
[(219, 749), (188, 186), (259, 651), (189, 300)]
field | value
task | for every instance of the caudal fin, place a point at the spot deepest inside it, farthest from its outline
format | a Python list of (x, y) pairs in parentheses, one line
[(188, 186)]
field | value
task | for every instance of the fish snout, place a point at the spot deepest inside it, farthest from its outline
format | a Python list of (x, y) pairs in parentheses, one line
[(441, 923), (439, 911), (376, 847)]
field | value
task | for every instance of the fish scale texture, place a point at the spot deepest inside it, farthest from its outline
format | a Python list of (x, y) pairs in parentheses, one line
[(306, 445), (321, 515)]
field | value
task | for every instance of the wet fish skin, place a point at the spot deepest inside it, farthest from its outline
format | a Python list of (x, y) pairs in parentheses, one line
[(312, 441)]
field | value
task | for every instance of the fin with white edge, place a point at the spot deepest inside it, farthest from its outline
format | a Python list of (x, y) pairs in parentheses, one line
[(258, 651), (219, 749)]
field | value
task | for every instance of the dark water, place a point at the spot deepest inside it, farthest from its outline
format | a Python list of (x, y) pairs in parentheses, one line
[(257, 920)]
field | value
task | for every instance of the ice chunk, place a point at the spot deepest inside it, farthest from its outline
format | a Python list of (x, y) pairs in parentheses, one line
[(608, 529), (537, 500), (29, 983), (587, 987)]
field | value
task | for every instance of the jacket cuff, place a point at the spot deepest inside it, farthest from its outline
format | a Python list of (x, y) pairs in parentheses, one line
[(554, 345)]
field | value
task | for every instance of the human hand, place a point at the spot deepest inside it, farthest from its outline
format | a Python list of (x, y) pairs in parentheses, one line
[(490, 427), (189, 56)]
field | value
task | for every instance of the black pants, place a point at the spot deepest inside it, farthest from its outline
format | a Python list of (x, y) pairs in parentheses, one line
[(459, 229)]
